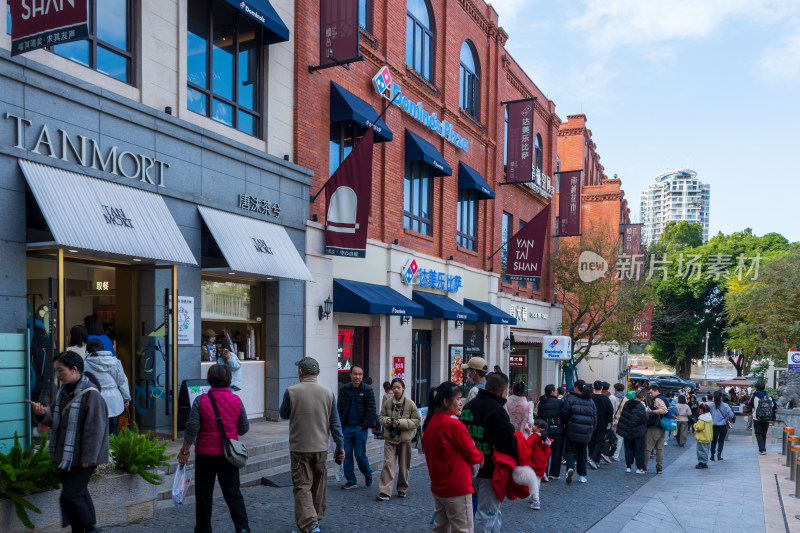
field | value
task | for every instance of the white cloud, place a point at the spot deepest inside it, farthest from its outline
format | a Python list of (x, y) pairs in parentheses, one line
[(609, 24), (782, 61)]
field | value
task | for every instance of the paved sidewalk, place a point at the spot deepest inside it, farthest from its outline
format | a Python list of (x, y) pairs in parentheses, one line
[(725, 497)]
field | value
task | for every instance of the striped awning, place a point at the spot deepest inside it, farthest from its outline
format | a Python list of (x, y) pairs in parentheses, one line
[(526, 337), (97, 217), (252, 246)]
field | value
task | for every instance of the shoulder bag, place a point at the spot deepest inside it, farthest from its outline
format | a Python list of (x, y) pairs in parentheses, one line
[(235, 451)]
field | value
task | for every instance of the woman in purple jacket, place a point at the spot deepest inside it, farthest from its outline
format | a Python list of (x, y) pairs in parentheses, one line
[(202, 430)]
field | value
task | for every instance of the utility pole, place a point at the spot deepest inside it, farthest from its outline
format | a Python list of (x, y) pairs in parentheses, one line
[(705, 357)]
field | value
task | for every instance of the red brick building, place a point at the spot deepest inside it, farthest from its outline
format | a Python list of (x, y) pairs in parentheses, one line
[(448, 58)]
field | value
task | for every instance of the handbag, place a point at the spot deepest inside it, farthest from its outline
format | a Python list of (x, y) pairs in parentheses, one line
[(235, 451), (124, 419), (669, 424)]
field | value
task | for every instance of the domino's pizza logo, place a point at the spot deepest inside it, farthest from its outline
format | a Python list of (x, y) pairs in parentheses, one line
[(554, 343), (796, 358), (409, 271), (383, 82)]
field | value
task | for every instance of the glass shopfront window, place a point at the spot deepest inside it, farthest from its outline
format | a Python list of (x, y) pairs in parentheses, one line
[(352, 351), (232, 311)]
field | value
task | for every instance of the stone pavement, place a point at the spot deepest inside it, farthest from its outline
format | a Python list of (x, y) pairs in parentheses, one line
[(725, 497), (576, 507)]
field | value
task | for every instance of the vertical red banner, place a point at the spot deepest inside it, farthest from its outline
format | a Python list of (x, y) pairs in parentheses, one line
[(526, 249), (520, 141), (399, 368), (632, 239), (569, 203), (39, 24), (642, 324), (347, 197), (338, 28)]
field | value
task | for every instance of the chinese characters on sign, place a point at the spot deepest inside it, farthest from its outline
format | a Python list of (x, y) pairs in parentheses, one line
[(569, 203), (101, 286), (643, 323), (520, 312), (411, 274), (632, 238), (38, 23), (517, 360), (338, 24), (257, 205), (689, 266), (399, 367), (520, 133)]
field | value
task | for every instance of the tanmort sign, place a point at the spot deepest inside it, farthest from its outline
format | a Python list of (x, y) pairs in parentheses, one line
[(520, 141), (338, 27), (525, 259), (643, 323), (42, 23), (569, 203)]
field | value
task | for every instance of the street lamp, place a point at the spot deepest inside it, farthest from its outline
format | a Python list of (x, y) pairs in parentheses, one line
[(326, 308)]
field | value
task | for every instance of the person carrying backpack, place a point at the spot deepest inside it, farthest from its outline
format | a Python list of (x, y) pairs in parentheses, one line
[(763, 407)]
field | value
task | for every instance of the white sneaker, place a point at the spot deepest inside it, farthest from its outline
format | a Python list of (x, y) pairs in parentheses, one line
[(640, 471), (582, 479), (536, 505), (591, 463), (569, 475), (628, 470)]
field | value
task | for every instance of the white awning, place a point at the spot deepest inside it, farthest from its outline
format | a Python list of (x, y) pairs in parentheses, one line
[(525, 337), (252, 246), (105, 218)]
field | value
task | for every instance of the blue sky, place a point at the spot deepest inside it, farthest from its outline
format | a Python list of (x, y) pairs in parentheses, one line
[(708, 84)]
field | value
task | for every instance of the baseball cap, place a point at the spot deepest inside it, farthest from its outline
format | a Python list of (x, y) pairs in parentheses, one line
[(477, 363), (308, 365)]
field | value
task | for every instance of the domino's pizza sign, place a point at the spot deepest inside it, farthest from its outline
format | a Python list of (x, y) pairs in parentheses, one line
[(793, 358), (409, 270), (383, 82), (558, 348)]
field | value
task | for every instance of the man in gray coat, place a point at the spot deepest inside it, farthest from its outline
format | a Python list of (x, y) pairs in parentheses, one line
[(311, 410)]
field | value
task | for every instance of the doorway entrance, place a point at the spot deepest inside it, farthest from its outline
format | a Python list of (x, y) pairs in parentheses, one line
[(420, 366)]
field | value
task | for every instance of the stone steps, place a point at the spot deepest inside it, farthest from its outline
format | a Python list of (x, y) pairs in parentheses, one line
[(273, 459)]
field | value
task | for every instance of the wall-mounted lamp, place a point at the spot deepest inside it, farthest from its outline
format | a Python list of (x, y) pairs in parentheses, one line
[(326, 308), (405, 319), (396, 241), (168, 110), (451, 258), (507, 343), (459, 323), (315, 218)]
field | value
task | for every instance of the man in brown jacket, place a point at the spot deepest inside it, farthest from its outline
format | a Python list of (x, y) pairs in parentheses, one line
[(310, 408)]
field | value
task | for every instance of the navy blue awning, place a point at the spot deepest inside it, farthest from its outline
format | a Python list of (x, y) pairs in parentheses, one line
[(469, 178), (488, 313), (439, 306), (346, 106), (418, 149), (274, 30), (359, 297)]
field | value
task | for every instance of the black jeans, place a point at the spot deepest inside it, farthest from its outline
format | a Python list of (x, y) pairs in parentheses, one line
[(556, 451), (207, 469), (596, 444), (634, 450), (576, 451), (760, 428), (718, 440), (77, 508)]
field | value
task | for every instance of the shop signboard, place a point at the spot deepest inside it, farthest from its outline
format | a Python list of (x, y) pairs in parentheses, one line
[(473, 341), (517, 360), (569, 203), (520, 140), (642, 324), (556, 348), (185, 319), (793, 358), (399, 367), (338, 36), (347, 196), (456, 360), (632, 239), (526, 249), (42, 23), (197, 390), (382, 81)]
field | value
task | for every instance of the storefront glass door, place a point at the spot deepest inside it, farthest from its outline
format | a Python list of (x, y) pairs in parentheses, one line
[(420, 367)]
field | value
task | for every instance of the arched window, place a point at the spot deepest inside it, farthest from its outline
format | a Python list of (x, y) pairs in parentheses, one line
[(419, 38), (469, 80), (539, 154)]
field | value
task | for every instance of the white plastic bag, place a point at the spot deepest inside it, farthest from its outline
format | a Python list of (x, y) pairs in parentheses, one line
[(180, 486)]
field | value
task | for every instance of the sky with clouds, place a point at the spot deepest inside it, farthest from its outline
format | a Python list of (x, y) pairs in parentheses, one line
[(712, 85)]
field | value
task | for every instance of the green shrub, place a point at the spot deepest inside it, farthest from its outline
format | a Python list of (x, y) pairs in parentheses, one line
[(136, 453), (23, 472)]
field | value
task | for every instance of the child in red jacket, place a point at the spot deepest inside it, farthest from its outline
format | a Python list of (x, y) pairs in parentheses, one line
[(540, 452)]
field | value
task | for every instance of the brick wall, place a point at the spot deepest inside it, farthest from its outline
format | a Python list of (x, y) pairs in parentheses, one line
[(501, 79)]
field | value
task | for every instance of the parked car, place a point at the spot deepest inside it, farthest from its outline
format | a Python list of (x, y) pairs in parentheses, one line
[(672, 383)]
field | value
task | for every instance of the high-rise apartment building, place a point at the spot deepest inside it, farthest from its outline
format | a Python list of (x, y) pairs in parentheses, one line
[(677, 195)]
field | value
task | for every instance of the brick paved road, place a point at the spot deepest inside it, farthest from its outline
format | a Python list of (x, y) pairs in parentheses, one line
[(564, 508)]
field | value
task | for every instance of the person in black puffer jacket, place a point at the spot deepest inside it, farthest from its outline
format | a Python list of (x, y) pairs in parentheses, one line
[(579, 416), (549, 409), (632, 428)]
